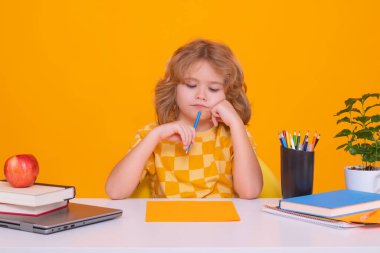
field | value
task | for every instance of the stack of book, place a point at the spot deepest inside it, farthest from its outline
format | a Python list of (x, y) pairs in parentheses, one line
[(36, 200), (341, 208)]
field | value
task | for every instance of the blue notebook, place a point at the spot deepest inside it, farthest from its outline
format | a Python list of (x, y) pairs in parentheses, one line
[(333, 203)]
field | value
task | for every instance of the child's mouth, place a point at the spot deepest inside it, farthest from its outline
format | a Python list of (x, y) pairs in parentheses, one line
[(200, 106)]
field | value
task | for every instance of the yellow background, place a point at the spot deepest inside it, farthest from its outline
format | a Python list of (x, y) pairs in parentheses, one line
[(77, 77)]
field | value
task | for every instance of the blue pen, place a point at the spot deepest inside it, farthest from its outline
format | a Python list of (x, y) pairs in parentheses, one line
[(195, 126)]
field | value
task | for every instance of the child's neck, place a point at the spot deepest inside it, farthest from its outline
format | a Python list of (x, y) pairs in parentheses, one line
[(204, 126)]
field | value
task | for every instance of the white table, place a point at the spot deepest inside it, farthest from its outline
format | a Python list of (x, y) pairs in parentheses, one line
[(256, 232)]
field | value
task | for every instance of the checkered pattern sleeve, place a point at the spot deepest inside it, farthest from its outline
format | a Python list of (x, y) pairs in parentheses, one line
[(150, 165)]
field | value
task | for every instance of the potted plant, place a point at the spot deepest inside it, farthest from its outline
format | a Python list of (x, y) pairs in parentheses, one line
[(362, 138)]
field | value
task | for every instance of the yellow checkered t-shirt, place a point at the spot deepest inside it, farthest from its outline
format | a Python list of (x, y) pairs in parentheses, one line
[(205, 172)]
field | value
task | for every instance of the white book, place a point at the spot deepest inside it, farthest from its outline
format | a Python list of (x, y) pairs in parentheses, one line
[(310, 218), (31, 210), (36, 195)]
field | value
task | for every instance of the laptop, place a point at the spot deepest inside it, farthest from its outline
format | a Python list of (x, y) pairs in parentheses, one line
[(75, 215)]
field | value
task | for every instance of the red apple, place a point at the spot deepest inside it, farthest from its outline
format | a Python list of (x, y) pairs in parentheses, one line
[(21, 170)]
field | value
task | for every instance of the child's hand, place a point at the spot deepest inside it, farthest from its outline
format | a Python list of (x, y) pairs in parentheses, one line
[(177, 131), (225, 112)]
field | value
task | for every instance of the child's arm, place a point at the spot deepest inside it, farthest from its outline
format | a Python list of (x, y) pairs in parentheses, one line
[(247, 175), (126, 175)]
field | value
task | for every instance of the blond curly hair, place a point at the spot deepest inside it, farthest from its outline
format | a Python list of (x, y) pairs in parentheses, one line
[(221, 58)]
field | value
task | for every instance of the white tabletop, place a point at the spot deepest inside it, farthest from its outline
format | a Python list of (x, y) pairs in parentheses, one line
[(256, 232)]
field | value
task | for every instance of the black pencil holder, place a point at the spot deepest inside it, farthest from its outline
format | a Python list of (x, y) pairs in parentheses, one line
[(297, 172)]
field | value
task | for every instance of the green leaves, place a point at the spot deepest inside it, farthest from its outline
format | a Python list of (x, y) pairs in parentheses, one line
[(363, 136), (349, 109), (372, 153), (345, 119), (351, 101), (375, 118), (354, 150), (342, 146), (365, 96), (344, 132), (362, 119), (369, 107)]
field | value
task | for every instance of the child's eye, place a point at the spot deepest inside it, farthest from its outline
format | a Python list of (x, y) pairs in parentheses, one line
[(191, 86), (213, 89)]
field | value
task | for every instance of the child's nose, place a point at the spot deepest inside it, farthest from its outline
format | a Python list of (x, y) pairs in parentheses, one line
[(201, 94)]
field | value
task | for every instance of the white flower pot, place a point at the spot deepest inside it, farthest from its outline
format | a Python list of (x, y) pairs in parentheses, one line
[(362, 180)]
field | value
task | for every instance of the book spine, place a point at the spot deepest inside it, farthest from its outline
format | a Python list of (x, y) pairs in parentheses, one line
[(38, 214), (53, 185), (53, 210)]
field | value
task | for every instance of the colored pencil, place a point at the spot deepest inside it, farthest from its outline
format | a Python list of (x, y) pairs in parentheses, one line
[(288, 139), (316, 141), (195, 126), (291, 141), (298, 140), (282, 140), (313, 142), (305, 141)]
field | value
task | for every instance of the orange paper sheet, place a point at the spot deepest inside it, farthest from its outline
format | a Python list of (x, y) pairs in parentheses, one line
[(190, 211), (369, 217)]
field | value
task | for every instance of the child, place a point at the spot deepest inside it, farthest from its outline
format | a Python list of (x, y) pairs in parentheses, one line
[(202, 76)]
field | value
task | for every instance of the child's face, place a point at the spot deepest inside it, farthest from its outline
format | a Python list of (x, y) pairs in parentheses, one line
[(203, 88)]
